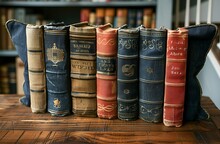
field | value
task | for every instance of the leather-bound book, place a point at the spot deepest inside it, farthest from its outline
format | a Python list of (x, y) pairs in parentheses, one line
[(147, 17), (127, 73), (100, 16), (132, 18), (109, 15), (83, 69), (36, 67), (106, 71), (175, 77), (139, 17), (84, 14), (3, 32), (17, 33), (122, 15), (151, 74), (57, 61)]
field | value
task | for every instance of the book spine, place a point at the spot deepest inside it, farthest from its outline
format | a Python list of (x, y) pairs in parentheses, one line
[(106, 71), (100, 16), (19, 79), (56, 43), (122, 16), (132, 18), (83, 69), (147, 17), (151, 74), (175, 77), (36, 67), (3, 32), (127, 74), (4, 79)]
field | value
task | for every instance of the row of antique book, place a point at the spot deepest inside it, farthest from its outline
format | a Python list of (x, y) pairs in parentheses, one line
[(104, 71)]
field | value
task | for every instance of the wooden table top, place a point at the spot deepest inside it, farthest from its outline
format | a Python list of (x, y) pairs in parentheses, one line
[(19, 125)]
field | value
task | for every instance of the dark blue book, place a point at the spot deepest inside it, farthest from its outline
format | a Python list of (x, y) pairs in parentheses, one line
[(127, 73), (132, 18), (57, 60), (151, 74)]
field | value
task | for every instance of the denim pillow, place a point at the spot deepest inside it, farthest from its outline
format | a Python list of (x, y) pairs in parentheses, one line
[(17, 33), (199, 43)]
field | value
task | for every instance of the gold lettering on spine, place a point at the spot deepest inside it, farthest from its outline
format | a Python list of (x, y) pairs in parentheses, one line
[(83, 67), (55, 54), (106, 65)]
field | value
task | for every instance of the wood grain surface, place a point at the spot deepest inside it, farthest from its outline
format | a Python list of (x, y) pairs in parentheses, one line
[(19, 125)]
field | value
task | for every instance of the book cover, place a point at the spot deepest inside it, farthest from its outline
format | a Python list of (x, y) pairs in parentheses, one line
[(127, 73), (151, 74), (83, 69), (106, 71), (57, 62), (36, 67), (175, 77)]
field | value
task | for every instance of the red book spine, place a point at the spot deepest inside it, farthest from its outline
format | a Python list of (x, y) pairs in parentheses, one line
[(106, 72), (175, 77)]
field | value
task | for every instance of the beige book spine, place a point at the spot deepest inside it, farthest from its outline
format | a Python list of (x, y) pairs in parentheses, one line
[(36, 68)]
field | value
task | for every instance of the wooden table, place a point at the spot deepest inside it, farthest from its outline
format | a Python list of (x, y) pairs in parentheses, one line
[(19, 125)]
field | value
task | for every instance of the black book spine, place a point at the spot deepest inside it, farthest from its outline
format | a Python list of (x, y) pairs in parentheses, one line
[(127, 73)]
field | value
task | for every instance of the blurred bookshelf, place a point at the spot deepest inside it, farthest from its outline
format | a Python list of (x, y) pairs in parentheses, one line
[(42, 12)]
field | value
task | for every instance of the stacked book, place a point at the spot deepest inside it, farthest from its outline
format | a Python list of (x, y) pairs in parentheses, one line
[(110, 72)]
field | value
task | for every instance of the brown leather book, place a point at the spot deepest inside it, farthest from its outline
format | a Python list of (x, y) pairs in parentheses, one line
[(106, 71), (83, 69), (84, 14), (147, 17), (122, 14), (3, 31), (36, 67), (175, 77), (109, 15), (100, 16)]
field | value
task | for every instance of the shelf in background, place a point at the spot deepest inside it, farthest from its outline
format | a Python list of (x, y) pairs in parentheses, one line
[(78, 4), (8, 53)]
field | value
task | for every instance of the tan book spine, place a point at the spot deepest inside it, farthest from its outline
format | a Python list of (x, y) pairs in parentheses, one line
[(19, 75), (83, 69), (36, 68)]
